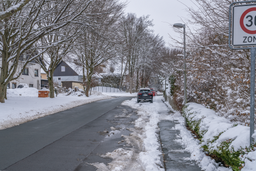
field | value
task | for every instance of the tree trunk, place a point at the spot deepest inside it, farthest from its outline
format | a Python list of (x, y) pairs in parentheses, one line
[(3, 85), (5, 93), (2, 93), (121, 79), (131, 83), (84, 80), (137, 81), (121, 83), (88, 85), (50, 82)]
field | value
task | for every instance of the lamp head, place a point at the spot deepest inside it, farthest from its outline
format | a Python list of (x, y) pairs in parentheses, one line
[(178, 25)]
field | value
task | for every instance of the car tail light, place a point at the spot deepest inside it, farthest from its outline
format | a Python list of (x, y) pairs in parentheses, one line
[(150, 94), (139, 93)]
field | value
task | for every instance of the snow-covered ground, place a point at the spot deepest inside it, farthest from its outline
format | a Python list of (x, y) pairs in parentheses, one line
[(216, 130), (24, 105), (107, 89), (145, 154), (146, 135), (193, 145)]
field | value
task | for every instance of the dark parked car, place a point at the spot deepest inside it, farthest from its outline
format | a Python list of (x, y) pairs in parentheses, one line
[(20, 86), (145, 95)]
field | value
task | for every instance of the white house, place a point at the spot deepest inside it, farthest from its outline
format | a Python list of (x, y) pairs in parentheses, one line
[(30, 76)]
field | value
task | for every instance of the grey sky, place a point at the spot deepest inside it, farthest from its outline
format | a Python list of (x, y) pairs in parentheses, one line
[(164, 13)]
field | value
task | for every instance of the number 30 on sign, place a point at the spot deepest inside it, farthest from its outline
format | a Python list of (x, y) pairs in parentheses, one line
[(244, 25)]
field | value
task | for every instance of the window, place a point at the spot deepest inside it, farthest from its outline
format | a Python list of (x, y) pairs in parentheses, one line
[(59, 78), (144, 91), (8, 85), (24, 57), (25, 71), (36, 72), (13, 85), (63, 68), (30, 85)]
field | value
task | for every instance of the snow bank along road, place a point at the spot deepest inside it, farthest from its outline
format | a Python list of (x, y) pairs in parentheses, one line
[(103, 135), (24, 105)]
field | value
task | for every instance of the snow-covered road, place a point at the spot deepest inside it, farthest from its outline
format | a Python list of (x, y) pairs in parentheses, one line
[(17, 110), (144, 136)]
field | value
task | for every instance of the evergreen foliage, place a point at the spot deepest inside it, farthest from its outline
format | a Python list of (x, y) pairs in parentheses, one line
[(225, 152)]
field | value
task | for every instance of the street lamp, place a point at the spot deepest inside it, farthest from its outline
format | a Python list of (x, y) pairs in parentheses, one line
[(180, 25)]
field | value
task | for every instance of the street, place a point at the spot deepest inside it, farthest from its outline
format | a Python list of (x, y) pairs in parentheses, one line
[(63, 141), (131, 85)]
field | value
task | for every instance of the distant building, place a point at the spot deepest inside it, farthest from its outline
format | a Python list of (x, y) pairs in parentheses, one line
[(65, 76), (44, 80), (31, 75), (70, 76)]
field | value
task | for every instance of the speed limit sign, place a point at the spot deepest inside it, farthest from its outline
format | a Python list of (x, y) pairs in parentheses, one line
[(243, 28), (244, 25)]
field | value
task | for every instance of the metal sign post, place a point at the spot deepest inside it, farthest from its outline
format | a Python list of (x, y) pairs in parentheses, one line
[(242, 35), (252, 91)]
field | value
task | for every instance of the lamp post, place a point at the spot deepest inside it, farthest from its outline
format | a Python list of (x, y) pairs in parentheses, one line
[(180, 25)]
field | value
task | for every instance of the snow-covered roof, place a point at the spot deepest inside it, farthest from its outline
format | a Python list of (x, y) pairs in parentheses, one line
[(79, 69)]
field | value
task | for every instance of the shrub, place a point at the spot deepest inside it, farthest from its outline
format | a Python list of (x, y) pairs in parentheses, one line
[(224, 153)]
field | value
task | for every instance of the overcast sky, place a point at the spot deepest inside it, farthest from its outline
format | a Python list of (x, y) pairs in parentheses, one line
[(164, 13)]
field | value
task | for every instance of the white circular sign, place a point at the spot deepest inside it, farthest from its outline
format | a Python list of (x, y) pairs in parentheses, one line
[(244, 25)]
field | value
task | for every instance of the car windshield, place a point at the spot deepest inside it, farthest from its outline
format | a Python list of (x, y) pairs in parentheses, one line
[(20, 86), (144, 91)]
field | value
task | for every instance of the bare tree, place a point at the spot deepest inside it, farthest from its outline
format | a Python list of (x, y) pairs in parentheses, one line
[(56, 45), (10, 7), (19, 33), (97, 43), (132, 29), (53, 55), (217, 75)]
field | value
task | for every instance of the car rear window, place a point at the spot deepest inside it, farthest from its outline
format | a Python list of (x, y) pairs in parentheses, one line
[(144, 91)]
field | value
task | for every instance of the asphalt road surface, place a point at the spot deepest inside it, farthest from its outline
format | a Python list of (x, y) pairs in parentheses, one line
[(67, 140)]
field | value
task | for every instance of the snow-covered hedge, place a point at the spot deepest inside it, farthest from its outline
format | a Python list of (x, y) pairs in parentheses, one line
[(26, 91), (220, 138)]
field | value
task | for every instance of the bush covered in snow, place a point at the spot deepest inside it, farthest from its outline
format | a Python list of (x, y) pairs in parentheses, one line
[(217, 76), (224, 141), (31, 92)]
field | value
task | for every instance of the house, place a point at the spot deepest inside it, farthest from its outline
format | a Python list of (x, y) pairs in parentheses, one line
[(44, 80), (70, 76), (31, 75), (67, 77)]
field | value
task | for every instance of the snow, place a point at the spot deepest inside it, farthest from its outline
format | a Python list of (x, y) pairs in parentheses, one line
[(118, 163), (215, 125), (27, 92), (146, 153), (191, 144), (120, 94), (240, 135), (13, 8), (146, 132), (24, 105)]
